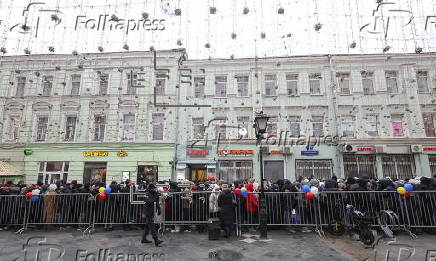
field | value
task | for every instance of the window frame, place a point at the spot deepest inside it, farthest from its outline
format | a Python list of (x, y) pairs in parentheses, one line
[(292, 78), (75, 82), (124, 130), (273, 81), (154, 124), (100, 124), (21, 85), (315, 77), (341, 79), (247, 87), (66, 127), (221, 83)]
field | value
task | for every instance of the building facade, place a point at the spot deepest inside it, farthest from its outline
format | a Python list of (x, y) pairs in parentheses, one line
[(343, 115), (89, 117)]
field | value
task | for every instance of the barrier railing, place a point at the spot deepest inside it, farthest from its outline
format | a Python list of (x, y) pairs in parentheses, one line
[(291, 209)]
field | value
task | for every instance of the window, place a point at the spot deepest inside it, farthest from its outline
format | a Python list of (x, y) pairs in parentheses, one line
[(367, 82), (270, 85), (391, 81), (133, 81), (242, 82), (429, 125), (13, 127), (422, 78), (347, 126), (243, 124), (104, 84), (315, 83), (41, 128), (372, 126), (220, 86), (295, 122), (147, 174), (70, 128), (128, 127), (75, 84), (21, 83), (160, 83), (94, 172), (397, 125), (199, 83), (229, 171), (318, 126), (99, 127), (220, 128), (343, 83), (357, 165), (271, 127), (197, 128), (47, 85), (398, 166), (158, 126), (318, 169), (292, 84), (52, 171)]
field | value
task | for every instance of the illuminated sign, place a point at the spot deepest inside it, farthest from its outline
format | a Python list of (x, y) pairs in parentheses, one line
[(235, 152), (365, 149), (276, 152), (429, 148), (122, 153), (95, 154), (197, 153)]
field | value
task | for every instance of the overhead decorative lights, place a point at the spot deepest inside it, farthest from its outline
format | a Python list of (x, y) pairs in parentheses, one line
[(262, 35), (57, 68), (27, 51), (126, 47), (51, 49), (245, 11), (3, 50), (233, 36), (281, 11), (114, 18), (353, 45), (152, 48), (178, 12), (145, 15), (317, 27), (74, 52), (386, 49), (212, 10), (179, 42), (55, 18), (418, 50), (207, 45), (100, 49)]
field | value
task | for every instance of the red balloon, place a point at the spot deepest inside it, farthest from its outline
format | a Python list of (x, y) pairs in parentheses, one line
[(165, 188), (238, 191), (309, 195), (28, 195), (407, 195), (102, 196)]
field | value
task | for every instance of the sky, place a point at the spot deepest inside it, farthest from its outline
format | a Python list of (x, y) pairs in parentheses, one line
[(304, 27)]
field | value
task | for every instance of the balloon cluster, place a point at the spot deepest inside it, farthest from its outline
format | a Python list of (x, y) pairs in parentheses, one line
[(34, 195), (241, 191), (103, 192), (405, 191), (311, 192)]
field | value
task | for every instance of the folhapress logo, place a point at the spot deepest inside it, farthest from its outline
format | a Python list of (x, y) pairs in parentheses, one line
[(37, 249)]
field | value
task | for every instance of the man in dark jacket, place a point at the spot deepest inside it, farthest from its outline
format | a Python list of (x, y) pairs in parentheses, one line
[(226, 204), (151, 200)]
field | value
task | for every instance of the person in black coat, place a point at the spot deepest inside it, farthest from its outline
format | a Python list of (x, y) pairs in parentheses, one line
[(226, 203), (151, 199)]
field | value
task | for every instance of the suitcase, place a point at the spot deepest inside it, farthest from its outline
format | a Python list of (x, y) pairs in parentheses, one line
[(214, 229)]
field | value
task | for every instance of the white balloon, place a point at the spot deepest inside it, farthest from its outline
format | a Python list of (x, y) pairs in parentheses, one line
[(314, 190)]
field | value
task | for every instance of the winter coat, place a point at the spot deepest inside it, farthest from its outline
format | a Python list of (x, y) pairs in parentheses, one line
[(151, 199), (227, 207), (252, 202), (50, 207), (213, 202)]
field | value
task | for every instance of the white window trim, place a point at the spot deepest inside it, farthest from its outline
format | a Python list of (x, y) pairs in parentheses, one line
[(53, 85), (70, 84), (64, 126), (227, 86), (92, 130), (293, 80), (276, 84), (35, 127), (248, 85)]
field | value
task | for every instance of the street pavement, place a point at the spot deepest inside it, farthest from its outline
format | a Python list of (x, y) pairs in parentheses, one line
[(120, 245)]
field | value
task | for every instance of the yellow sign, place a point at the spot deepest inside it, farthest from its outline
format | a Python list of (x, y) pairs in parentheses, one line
[(122, 153), (95, 154)]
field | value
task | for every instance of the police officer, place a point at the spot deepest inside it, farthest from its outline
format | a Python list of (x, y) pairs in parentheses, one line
[(151, 199)]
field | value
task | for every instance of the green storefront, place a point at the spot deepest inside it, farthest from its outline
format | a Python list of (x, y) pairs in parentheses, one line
[(89, 163)]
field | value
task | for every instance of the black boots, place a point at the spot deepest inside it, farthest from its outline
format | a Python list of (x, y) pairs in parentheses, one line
[(144, 241), (157, 242)]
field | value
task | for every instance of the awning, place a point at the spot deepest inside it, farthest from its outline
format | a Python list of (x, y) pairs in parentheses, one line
[(194, 161), (7, 169)]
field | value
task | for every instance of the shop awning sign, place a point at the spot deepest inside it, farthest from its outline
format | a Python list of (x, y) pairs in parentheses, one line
[(235, 152), (95, 154), (309, 153), (197, 153)]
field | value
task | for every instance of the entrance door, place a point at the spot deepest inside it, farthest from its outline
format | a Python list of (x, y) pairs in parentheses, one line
[(147, 174), (274, 170), (94, 172), (198, 174)]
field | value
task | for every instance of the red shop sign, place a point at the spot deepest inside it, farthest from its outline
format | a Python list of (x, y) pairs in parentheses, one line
[(197, 153)]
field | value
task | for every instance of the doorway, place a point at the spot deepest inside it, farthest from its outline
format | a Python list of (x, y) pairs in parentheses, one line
[(147, 174), (94, 172), (197, 173), (274, 170)]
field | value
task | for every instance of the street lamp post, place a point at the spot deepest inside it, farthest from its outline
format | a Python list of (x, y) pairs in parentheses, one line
[(260, 125)]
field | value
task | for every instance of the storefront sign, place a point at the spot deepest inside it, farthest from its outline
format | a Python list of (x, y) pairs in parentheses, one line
[(365, 148), (276, 152), (429, 149), (95, 154), (309, 152), (235, 152), (122, 153), (197, 153), (28, 152)]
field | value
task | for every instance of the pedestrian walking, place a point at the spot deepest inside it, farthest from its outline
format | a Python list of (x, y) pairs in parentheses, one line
[(151, 200)]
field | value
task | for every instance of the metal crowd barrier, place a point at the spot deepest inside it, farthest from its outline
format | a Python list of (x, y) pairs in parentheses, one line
[(290, 209)]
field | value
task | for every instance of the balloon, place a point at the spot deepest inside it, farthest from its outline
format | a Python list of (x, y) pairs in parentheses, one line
[(36, 192), (314, 190), (107, 190), (102, 196), (408, 187), (35, 198), (309, 195), (401, 190), (238, 191), (243, 188), (28, 195), (407, 195), (165, 188), (101, 190), (244, 193), (306, 188)]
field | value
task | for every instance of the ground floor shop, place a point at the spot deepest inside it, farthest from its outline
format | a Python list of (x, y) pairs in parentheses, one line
[(92, 163)]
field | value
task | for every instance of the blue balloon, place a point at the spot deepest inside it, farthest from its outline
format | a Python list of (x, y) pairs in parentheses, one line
[(408, 187), (107, 190), (244, 192), (35, 198), (306, 188)]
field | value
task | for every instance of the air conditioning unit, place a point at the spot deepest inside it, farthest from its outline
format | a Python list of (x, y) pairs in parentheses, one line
[(416, 148), (287, 150), (347, 148), (380, 149)]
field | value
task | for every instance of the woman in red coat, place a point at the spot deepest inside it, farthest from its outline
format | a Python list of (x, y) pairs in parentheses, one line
[(252, 205)]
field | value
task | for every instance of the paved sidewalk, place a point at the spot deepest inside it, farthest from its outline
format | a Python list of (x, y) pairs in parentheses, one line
[(105, 246)]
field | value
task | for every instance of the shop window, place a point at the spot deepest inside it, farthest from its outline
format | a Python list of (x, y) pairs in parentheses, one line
[(315, 83), (220, 86), (242, 82), (147, 174), (398, 166), (318, 169), (292, 84), (199, 83), (343, 83), (53, 171), (197, 174), (271, 85), (274, 170), (391, 81), (230, 171), (368, 82), (94, 172), (358, 165)]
